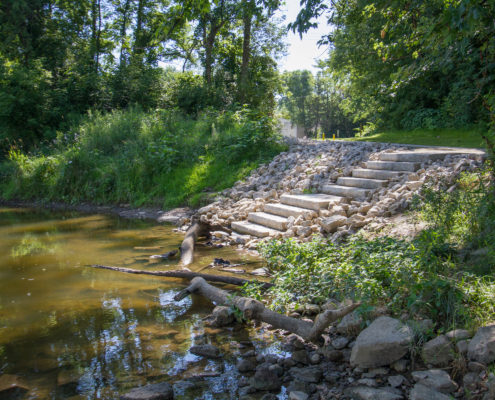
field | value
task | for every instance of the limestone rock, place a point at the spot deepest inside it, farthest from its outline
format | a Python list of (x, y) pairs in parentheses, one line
[(438, 352), (482, 346), (158, 391), (436, 379), (386, 340), (331, 224), (368, 393), (350, 324), (422, 392), (298, 396)]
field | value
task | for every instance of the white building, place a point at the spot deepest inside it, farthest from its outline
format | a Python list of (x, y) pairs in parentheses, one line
[(287, 129)]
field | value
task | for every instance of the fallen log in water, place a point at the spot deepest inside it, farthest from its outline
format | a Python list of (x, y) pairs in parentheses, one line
[(185, 274), (254, 309), (187, 247)]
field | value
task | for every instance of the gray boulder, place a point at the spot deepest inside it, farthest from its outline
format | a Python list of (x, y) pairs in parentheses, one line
[(438, 352), (422, 392), (436, 379), (386, 340), (482, 346), (158, 391)]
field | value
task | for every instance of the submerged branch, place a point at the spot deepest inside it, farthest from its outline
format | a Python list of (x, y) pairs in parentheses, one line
[(185, 274)]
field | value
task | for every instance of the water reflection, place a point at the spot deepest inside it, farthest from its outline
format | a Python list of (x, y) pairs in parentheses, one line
[(69, 331)]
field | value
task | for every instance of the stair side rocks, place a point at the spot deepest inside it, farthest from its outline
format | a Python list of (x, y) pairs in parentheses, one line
[(386, 340)]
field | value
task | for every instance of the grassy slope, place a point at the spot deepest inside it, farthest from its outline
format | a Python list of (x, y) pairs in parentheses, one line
[(159, 158), (438, 137)]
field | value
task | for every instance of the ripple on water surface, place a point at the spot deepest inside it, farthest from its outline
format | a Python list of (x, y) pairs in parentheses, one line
[(69, 331)]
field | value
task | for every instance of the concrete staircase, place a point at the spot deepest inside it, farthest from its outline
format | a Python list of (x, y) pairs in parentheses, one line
[(357, 188)]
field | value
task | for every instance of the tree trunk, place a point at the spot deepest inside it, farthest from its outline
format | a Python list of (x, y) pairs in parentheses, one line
[(183, 274), (246, 51), (123, 32), (254, 309)]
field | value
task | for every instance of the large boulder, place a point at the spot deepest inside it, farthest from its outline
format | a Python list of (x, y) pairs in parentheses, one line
[(158, 391), (482, 346), (386, 340), (438, 352)]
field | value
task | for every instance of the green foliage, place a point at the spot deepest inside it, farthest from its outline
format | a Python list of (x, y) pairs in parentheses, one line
[(382, 272), (163, 158), (464, 218), (315, 102), (412, 64)]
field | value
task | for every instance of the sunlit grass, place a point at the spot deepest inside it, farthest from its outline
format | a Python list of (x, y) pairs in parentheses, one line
[(440, 137)]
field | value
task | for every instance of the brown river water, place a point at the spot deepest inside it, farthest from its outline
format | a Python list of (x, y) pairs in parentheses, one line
[(68, 331)]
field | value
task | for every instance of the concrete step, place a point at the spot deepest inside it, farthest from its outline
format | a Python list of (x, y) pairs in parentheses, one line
[(346, 191), (269, 220), (376, 173), (364, 183), (249, 228), (424, 154), (413, 156), (285, 210), (310, 201), (393, 166)]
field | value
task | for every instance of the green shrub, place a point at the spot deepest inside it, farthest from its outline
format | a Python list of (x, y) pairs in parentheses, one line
[(160, 158)]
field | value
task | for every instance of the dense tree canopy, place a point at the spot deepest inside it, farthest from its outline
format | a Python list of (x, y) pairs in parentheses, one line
[(60, 58), (410, 64)]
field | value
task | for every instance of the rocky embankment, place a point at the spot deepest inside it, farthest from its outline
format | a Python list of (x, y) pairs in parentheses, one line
[(310, 165), (378, 359)]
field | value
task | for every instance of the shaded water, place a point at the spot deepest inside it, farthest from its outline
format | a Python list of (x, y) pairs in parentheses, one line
[(70, 331)]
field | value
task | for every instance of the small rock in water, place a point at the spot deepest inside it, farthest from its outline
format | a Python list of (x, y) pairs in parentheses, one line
[(158, 391), (298, 396), (220, 262), (12, 387), (205, 350), (165, 256)]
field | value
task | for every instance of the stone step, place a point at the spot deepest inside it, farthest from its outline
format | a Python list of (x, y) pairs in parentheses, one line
[(393, 166), (285, 210), (268, 220), (249, 228), (413, 156), (346, 191), (364, 183), (310, 201), (376, 173)]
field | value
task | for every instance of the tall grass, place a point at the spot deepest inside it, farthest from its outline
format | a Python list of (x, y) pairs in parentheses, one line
[(160, 158)]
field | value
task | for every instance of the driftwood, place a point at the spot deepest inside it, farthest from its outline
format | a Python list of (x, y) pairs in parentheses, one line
[(185, 274), (187, 247), (254, 309)]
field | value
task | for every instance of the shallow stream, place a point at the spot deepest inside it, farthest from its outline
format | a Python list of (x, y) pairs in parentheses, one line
[(68, 331)]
